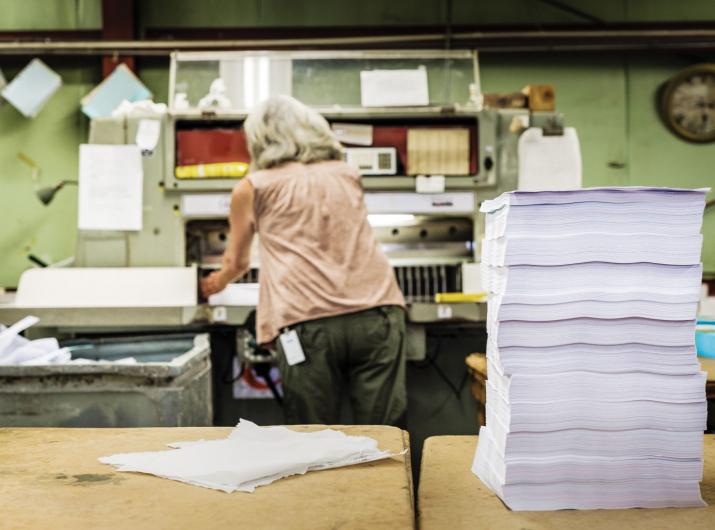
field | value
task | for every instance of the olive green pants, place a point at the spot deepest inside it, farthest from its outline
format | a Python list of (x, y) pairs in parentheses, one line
[(358, 354)]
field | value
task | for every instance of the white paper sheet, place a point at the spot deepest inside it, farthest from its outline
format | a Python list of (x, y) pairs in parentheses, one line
[(353, 133), (205, 204), (32, 88), (110, 187), (549, 162), (8, 336), (472, 278), (416, 203), (236, 294), (107, 287), (148, 134), (429, 184), (394, 88), (251, 456), (17, 350)]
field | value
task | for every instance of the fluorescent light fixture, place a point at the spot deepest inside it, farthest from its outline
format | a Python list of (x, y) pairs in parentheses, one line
[(256, 80), (263, 78), (249, 93)]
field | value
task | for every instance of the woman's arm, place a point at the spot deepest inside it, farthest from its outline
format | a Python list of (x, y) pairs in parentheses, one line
[(237, 256)]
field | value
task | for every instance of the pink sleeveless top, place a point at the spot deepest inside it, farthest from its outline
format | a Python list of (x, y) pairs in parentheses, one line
[(318, 254)]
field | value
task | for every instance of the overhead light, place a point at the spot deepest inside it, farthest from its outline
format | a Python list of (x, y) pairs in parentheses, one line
[(263, 78), (249, 92), (256, 80)]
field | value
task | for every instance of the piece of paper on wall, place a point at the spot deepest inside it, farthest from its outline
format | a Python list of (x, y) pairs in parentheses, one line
[(32, 88), (549, 162), (148, 134), (110, 187), (394, 88), (120, 85)]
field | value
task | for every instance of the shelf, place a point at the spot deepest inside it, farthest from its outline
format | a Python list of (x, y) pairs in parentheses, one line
[(405, 182)]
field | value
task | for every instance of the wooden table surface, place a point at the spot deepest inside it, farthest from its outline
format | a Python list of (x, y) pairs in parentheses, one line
[(451, 496), (50, 478)]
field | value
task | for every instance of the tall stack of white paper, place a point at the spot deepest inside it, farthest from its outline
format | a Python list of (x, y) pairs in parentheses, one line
[(595, 398)]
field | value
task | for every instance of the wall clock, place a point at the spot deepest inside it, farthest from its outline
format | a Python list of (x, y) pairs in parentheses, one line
[(687, 103)]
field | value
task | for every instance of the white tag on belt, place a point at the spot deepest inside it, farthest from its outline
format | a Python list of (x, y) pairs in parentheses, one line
[(290, 343)]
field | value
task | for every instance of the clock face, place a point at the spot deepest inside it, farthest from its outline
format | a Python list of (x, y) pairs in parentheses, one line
[(688, 103)]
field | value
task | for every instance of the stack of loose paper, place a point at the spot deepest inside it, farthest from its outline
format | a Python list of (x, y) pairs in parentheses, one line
[(16, 350), (251, 456), (595, 398)]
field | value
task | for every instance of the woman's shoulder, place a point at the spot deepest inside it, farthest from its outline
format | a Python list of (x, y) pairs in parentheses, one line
[(263, 177), (337, 167)]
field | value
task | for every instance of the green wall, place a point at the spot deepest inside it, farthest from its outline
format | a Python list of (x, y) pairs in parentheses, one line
[(50, 139), (611, 102), (608, 98)]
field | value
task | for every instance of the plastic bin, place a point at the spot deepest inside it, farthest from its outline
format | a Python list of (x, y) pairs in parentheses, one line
[(170, 385), (705, 338)]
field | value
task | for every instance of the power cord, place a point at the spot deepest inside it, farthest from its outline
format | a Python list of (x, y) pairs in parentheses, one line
[(432, 361)]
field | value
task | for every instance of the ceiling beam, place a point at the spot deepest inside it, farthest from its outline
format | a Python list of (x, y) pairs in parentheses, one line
[(117, 25), (642, 39)]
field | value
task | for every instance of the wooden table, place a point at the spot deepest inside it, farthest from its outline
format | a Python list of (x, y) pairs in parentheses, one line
[(50, 478), (477, 367), (451, 496), (708, 365)]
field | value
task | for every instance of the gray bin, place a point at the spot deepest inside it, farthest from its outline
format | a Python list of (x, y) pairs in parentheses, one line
[(169, 386)]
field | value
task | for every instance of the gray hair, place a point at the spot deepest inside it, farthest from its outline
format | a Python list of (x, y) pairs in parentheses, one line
[(282, 129)]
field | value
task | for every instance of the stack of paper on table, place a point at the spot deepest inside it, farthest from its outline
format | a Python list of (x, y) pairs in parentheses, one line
[(595, 398), (251, 456)]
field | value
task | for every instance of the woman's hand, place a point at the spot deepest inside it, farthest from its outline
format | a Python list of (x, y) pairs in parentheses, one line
[(236, 258), (213, 283)]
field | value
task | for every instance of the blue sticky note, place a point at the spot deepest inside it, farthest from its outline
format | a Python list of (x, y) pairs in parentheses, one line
[(32, 88), (121, 85)]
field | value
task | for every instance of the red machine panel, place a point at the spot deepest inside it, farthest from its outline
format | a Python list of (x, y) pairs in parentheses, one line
[(207, 146)]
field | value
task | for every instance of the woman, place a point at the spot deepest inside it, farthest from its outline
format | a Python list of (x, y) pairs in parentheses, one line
[(323, 275)]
